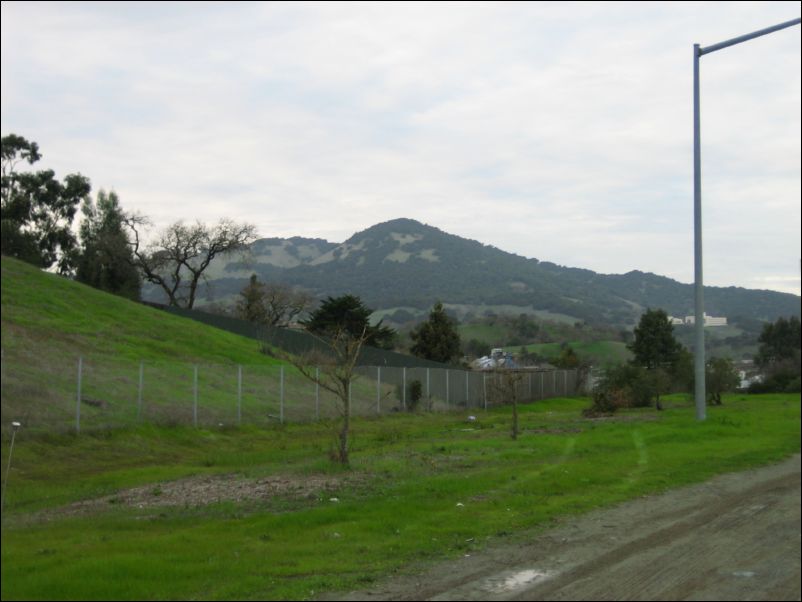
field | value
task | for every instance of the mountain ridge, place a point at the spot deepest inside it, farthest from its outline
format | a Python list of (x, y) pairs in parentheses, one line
[(404, 262)]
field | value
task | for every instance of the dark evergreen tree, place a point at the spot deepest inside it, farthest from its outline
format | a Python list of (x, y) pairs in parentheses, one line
[(654, 345), (348, 314), (105, 260), (437, 338), (656, 350)]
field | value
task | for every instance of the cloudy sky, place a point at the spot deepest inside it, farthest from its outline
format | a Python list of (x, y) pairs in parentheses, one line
[(555, 130)]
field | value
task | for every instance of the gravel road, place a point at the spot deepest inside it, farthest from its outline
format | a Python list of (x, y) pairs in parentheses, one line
[(735, 537)]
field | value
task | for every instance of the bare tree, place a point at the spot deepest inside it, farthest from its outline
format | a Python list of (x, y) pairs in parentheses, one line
[(506, 383), (273, 304), (176, 260), (333, 367)]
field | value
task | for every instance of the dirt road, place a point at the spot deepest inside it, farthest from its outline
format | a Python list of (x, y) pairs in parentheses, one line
[(736, 537)]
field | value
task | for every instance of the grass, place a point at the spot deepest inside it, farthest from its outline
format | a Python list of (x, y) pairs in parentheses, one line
[(421, 487), (600, 353)]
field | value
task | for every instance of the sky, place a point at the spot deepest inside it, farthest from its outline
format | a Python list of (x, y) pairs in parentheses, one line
[(555, 130)]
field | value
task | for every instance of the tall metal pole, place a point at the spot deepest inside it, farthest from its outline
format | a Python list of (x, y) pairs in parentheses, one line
[(699, 313)]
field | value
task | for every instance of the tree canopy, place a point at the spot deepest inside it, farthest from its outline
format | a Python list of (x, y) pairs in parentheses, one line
[(348, 314), (178, 258), (105, 260), (37, 210), (437, 338), (654, 345)]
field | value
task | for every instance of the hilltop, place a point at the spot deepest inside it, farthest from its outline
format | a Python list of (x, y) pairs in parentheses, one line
[(404, 263)]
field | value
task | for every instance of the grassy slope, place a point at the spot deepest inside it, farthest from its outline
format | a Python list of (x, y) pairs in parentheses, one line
[(69, 317)]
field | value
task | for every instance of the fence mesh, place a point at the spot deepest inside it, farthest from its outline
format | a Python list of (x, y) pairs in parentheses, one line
[(64, 393)]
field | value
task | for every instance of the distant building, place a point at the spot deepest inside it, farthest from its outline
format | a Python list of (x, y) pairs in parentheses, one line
[(691, 320)]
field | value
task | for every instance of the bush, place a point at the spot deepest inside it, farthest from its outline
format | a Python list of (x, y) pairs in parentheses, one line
[(414, 394)]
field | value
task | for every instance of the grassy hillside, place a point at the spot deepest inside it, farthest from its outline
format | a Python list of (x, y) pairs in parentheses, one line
[(48, 322), (55, 315)]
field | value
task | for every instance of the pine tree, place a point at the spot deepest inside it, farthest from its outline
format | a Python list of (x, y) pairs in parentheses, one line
[(437, 338)]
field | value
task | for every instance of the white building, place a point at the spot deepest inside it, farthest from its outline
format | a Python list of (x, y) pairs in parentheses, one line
[(709, 320)]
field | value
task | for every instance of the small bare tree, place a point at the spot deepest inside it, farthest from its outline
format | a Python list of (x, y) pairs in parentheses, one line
[(273, 304), (506, 383), (333, 367), (176, 260)]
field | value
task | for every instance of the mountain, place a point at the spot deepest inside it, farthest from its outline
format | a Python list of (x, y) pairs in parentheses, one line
[(404, 263)]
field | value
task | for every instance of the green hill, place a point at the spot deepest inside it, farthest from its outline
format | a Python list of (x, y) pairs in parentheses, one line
[(404, 263), (49, 322)]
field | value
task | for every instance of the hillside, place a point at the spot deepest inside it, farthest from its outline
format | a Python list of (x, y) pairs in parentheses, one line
[(135, 361), (48, 316), (403, 263)]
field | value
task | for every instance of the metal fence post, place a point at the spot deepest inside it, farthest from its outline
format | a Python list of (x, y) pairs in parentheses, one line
[(404, 388), (195, 396), (139, 390), (78, 400), (281, 400), (239, 395), (378, 390), (317, 393)]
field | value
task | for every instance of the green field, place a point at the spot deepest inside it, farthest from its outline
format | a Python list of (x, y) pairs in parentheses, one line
[(93, 516), (599, 353), (420, 488)]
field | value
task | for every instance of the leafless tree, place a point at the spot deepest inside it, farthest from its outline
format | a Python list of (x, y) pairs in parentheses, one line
[(506, 383), (177, 258), (273, 304), (333, 367)]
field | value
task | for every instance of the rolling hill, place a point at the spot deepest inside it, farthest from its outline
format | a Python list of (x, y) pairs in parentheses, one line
[(404, 263)]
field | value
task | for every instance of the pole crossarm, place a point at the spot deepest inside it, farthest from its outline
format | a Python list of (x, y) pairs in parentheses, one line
[(748, 36)]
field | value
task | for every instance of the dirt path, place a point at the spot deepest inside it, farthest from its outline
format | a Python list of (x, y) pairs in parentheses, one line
[(735, 537)]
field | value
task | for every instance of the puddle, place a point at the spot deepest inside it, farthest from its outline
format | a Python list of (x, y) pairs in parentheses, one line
[(505, 583)]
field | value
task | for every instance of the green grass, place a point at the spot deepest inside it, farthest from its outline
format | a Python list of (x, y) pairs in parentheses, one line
[(600, 353), (399, 506), (48, 322), (420, 487)]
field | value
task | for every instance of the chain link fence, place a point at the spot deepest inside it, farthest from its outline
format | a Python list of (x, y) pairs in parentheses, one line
[(77, 393)]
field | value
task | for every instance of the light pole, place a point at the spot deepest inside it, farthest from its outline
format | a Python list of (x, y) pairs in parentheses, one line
[(699, 312)]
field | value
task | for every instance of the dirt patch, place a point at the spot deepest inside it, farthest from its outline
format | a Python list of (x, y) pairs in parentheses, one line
[(204, 490), (735, 537)]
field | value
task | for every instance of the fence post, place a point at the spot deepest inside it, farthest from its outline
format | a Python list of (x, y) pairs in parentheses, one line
[(484, 387), (139, 391), (467, 391), (378, 390), (78, 401), (317, 393), (239, 395), (448, 406), (195, 396), (281, 399), (404, 390)]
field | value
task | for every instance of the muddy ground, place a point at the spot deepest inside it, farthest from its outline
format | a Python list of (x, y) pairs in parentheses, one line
[(735, 537)]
